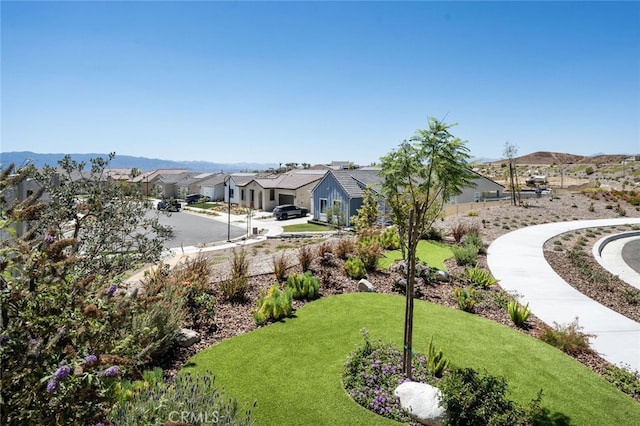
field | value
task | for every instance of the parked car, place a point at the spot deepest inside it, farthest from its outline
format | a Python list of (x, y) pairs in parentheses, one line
[(286, 211), (169, 205), (192, 198)]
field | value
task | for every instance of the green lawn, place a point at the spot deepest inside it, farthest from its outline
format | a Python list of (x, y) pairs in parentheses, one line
[(433, 253), (293, 368)]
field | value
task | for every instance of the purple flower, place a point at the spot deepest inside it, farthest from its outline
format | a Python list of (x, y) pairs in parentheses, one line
[(100, 424), (61, 331), (53, 386), (4, 340), (91, 360), (49, 238), (112, 371), (111, 290), (62, 373)]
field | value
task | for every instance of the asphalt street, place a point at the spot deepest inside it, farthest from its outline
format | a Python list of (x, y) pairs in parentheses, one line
[(190, 229), (631, 254)]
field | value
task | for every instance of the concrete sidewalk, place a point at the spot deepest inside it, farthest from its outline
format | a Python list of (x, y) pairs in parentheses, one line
[(517, 260)]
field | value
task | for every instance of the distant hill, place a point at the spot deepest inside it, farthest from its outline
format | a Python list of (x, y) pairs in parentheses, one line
[(544, 157), (127, 162)]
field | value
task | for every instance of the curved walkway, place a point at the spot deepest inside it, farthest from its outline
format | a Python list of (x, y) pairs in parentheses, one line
[(517, 260)]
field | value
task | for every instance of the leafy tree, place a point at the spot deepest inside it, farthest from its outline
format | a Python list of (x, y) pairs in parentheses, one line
[(105, 219), (65, 331), (420, 176), (368, 212)]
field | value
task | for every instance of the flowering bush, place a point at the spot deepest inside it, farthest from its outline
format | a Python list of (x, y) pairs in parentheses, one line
[(372, 373)]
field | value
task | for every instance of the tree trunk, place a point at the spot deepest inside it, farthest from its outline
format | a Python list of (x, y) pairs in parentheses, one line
[(408, 318)]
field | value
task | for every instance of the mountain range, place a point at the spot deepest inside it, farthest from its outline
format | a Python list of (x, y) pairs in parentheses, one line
[(127, 162)]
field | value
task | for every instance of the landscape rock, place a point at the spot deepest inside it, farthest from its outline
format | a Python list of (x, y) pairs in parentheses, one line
[(187, 337), (422, 402), (442, 276), (365, 286)]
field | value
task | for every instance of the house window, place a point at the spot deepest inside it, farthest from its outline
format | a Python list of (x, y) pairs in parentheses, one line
[(231, 193), (242, 194), (324, 203), (272, 195)]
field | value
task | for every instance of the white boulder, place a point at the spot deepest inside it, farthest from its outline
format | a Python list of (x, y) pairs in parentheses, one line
[(187, 337), (422, 402)]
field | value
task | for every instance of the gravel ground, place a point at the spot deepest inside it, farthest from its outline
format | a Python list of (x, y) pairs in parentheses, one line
[(233, 319)]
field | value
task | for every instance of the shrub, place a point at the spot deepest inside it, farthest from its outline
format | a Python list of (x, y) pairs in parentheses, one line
[(568, 338), (433, 234), (472, 213), (624, 379), (354, 267), (518, 313), (324, 248), (280, 266), (235, 287), (466, 298), (473, 238), (458, 231), (479, 277), (374, 370), (389, 239), (370, 252), (273, 305), (305, 257), (193, 275), (436, 363), (465, 255), (191, 399), (471, 398), (345, 247), (303, 286)]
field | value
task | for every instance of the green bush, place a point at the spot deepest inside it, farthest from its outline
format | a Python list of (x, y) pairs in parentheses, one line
[(471, 398), (273, 305), (236, 285), (433, 234), (354, 267), (519, 314), (568, 338), (303, 286), (466, 298), (479, 277), (473, 238), (389, 238), (465, 255), (624, 379), (191, 399), (436, 363)]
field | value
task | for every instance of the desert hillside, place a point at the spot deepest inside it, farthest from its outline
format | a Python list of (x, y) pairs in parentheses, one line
[(565, 171)]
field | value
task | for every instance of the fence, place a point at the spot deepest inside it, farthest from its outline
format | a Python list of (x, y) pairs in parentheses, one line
[(451, 209)]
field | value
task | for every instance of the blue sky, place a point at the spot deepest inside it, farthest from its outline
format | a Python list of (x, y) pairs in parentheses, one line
[(279, 82)]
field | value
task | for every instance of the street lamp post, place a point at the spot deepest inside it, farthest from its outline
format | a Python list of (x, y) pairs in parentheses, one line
[(228, 186)]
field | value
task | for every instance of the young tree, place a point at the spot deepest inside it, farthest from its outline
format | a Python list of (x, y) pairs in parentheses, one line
[(419, 178), (510, 152), (368, 212)]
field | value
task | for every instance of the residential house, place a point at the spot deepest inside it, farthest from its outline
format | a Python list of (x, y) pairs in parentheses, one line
[(481, 189), (342, 191), (293, 187), (213, 186), (236, 192), (191, 184), (149, 182)]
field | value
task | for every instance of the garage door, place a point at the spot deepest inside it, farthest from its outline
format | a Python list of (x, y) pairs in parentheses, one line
[(285, 199)]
